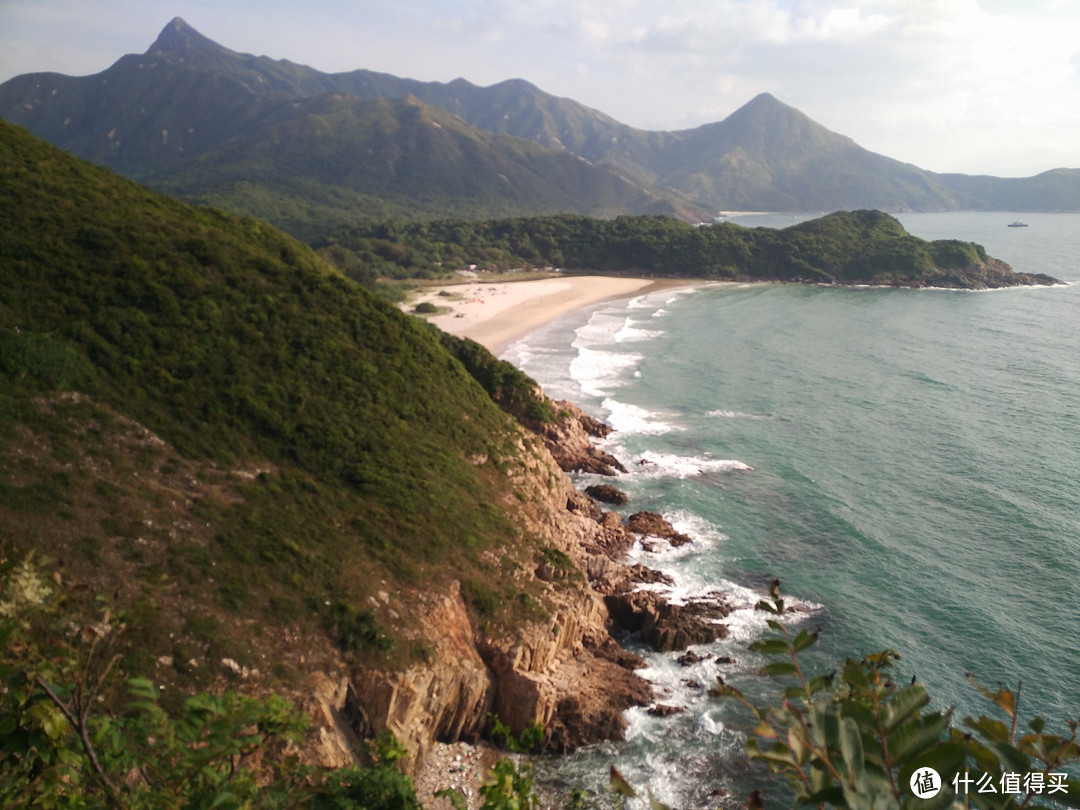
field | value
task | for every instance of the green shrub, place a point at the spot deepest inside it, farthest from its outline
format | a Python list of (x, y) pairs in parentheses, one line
[(857, 739)]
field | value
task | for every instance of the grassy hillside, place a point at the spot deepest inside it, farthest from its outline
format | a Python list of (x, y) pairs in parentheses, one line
[(198, 413)]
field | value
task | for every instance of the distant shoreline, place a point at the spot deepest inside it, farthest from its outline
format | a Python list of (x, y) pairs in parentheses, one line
[(496, 314)]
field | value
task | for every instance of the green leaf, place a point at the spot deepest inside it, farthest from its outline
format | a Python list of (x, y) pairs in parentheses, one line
[(904, 704), (946, 758), (53, 723), (819, 683), (778, 754), (993, 731), (854, 674), (804, 640), (724, 690), (1002, 697), (224, 798), (1071, 796), (1010, 757), (833, 795), (917, 737), (654, 804), (800, 747), (883, 659), (619, 784), (770, 646), (851, 747), (831, 727)]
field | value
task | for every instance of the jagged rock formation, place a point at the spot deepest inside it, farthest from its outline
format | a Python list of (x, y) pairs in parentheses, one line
[(566, 672), (650, 524), (568, 439), (607, 494)]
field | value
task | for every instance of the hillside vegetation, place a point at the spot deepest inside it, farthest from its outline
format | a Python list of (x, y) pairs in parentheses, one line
[(197, 412), (848, 247)]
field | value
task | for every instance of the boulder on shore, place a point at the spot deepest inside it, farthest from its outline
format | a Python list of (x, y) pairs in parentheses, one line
[(650, 524), (607, 494)]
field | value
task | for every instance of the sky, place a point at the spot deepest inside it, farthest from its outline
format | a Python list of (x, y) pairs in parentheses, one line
[(970, 86)]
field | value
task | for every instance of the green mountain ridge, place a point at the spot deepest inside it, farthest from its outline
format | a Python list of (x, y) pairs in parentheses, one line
[(389, 158), (176, 115), (198, 412), (189, 108)]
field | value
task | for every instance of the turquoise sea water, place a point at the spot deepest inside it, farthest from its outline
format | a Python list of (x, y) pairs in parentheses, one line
[(907, 462)]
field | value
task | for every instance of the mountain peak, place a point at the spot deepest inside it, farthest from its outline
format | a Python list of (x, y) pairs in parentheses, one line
[(180, 38), (764, 98), (764, 102)]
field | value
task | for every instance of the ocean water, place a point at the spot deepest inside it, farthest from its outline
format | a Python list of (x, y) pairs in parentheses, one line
[(906, 462)]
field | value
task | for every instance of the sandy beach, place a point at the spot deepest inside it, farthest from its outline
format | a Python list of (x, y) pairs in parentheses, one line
[(496, 314)]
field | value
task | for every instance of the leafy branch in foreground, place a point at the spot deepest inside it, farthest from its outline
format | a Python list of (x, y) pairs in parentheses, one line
[(857, 739), (74, 733)]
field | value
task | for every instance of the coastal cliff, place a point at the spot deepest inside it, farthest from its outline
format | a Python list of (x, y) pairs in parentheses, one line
[(285, 485), (564, 671)]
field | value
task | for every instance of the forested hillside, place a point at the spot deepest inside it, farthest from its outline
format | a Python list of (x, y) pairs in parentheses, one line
[(849, 247), (298, 440)]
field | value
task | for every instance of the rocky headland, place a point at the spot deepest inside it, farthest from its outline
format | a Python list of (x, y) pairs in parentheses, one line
[(566, 672)]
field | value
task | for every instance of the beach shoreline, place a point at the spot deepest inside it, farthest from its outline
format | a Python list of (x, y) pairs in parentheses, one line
[(496, 314)]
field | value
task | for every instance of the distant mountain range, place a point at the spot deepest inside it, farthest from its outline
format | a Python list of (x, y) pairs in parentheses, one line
[(310, 150)]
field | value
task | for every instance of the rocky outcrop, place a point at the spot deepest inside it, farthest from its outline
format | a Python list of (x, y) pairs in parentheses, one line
[(565, 671), (447, 697), (667, 626), (650, 524), (569, 440), (607, 494)]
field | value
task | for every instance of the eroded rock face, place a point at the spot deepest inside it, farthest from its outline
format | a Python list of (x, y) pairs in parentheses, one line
[(568, 440), (445, 698), (566, 672)]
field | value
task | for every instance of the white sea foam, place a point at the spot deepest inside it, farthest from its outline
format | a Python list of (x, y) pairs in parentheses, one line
[(746, 623), (706, 534), (598, 372), (658, 465), (682, 292), (724, 414), (630, 333), (595, 368), (710, 726), (600, 329), (639, 302), (626, 418)]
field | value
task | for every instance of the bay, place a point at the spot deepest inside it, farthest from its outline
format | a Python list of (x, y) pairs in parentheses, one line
[(906, 462)]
